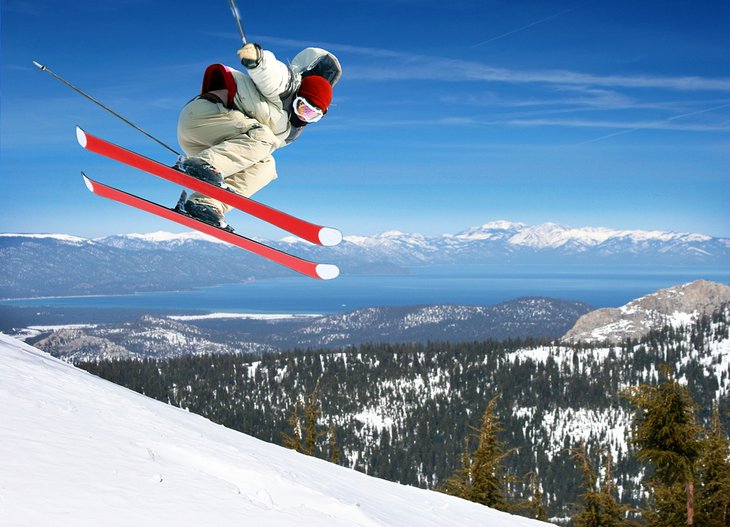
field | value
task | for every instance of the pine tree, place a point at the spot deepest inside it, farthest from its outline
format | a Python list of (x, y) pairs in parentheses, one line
[(589, 516), (334, 448), (311, 416), (294, 441), (487, 468), (535, 505), (613, 511), (667, 436), (459, 483), (714, 493), (305, 435), (481, 476), (600, 507)]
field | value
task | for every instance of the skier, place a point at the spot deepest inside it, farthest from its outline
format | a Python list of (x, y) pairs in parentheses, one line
[(231, 129)]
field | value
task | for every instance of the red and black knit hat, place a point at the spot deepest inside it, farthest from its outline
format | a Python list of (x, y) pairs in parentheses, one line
[(317, 90)]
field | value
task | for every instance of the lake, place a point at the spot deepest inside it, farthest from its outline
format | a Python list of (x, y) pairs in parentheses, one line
[(474, 285)]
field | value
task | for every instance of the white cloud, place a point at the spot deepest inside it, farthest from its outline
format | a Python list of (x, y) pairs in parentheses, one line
[(634, 125), (415, 66)]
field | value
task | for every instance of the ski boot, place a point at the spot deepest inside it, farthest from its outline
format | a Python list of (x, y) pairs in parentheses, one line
[(201, 170), (201, 212)]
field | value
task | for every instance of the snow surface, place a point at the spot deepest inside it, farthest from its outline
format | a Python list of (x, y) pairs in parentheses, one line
[(76, 450)]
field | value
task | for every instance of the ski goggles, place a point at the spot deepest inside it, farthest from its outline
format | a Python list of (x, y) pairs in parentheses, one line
[(306, 111)]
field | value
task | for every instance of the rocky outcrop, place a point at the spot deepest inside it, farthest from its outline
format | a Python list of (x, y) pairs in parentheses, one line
[(76, 343), (676, 306)]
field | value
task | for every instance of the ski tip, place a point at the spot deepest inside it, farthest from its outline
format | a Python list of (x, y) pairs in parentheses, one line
[(327, 271), (39, 65), (81, 136), (88, 182), (329, 236)]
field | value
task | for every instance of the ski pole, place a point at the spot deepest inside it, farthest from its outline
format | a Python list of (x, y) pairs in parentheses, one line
[(237, 18), (115, 114)]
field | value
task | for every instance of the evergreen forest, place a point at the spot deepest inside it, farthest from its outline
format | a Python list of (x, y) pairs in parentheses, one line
[(565, 420)]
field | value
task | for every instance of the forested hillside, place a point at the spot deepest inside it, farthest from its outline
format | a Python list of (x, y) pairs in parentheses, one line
[(401, 412)]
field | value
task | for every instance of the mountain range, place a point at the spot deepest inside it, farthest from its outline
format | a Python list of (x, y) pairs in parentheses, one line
[(57, 264), (165, 337), (508, 242)]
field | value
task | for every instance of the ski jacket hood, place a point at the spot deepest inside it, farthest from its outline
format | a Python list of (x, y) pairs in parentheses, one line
[(317, 61)]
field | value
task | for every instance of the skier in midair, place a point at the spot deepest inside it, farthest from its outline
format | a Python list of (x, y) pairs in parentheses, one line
[(231, 129)]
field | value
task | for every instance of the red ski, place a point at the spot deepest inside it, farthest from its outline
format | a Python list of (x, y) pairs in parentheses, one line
[(308, 231), (312, 269)]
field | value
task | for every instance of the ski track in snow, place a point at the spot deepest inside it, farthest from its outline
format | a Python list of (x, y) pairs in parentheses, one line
[(79, 451)]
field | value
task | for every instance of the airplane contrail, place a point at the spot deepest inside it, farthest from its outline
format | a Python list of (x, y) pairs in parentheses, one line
[(630, 130), (531, 24)]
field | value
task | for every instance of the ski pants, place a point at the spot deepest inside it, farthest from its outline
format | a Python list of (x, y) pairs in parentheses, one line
[(236, 145)]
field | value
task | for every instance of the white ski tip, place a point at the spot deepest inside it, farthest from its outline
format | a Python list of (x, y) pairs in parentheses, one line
[(329, 236), (88, 182), (81, 136), (41, 66), (327, 271)]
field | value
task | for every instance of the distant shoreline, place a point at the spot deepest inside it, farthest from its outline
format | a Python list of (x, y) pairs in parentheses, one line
[(248, 316), (101, 295)]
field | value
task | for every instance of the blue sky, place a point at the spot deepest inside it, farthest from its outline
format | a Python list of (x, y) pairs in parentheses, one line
[(448, 115)]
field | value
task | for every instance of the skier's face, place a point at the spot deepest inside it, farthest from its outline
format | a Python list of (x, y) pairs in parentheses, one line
[(306, 111)]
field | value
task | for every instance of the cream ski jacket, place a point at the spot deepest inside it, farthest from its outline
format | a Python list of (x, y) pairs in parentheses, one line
[(266, 93)]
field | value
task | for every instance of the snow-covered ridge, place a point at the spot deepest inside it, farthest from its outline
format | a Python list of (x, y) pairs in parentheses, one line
[(493, 229), (80, 451), (151, 237), (544, 236), (162, 236), (547, 235), (60, 237), (552, 235), (499, 242)]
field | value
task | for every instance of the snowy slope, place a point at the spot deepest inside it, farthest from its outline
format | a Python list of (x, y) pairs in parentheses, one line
[(76, 450)]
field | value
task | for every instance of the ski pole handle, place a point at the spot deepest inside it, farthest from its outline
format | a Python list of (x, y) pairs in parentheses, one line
[(237, 18)]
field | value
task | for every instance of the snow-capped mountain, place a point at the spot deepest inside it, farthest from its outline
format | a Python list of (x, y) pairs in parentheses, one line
[(55, 265), (674, 306), (505, 242), (159, 238), (503, 234), (43, 265), (67, 238), (77, 450), (552, 235)]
